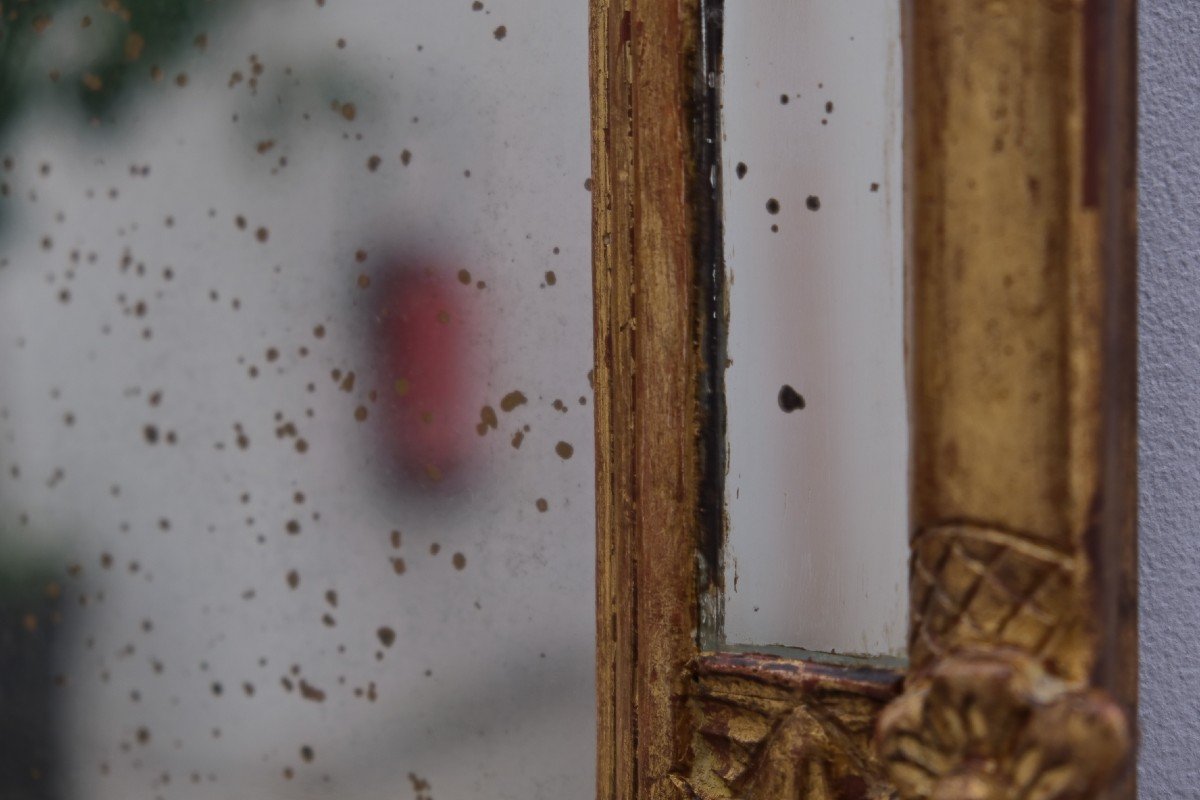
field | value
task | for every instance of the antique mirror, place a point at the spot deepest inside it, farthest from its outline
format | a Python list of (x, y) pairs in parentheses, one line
[(312, 393), (865, 399), (296, 496)]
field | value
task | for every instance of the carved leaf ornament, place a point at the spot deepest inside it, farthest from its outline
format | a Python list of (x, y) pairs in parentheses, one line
[(993, 725)]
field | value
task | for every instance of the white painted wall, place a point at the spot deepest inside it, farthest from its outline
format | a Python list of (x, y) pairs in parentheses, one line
[(1169, 414)]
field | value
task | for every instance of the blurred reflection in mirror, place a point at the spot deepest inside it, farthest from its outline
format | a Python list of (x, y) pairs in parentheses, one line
[(295, 415)]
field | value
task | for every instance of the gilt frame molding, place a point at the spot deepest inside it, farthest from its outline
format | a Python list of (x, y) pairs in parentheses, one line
[(1021, 273)]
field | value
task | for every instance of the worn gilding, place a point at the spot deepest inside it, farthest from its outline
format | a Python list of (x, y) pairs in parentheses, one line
[(1022, 678)]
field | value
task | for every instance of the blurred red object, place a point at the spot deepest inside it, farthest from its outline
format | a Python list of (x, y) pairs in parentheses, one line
[(429, 364)]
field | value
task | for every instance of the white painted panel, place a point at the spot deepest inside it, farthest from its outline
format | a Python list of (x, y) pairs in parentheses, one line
[(816, 554)]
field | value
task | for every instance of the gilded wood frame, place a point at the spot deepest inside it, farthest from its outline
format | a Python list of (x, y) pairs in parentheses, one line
[(1020, 204)]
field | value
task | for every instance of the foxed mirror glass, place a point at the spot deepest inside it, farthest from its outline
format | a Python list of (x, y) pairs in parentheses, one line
[(817, 436), (296, 473)]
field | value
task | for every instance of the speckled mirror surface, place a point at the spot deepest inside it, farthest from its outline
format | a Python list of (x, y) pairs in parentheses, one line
[(295, 418), (816, 489)]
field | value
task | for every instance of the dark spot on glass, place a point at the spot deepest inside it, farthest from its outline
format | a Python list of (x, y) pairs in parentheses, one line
[(542, 505), (511, 401), (311, 693), (564, 450), (829, 107), (500, 32), (874, 187), (813, 203), (790, 400), (387, 636), (783, 99), (741, 170), (405, 157), (459, 561), (487, 419), (772, 206)]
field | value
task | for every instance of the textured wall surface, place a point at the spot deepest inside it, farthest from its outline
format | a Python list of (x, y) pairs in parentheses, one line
[(1170, 398)]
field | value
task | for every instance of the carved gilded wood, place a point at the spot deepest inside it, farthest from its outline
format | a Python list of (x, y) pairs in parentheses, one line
[(1021, 680), (765, 727), (1022, 641)]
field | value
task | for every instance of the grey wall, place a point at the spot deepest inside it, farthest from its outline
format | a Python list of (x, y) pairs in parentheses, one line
[(1170, 398)]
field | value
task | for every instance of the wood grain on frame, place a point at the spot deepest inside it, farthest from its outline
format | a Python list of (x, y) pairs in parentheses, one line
[(647, 362)]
